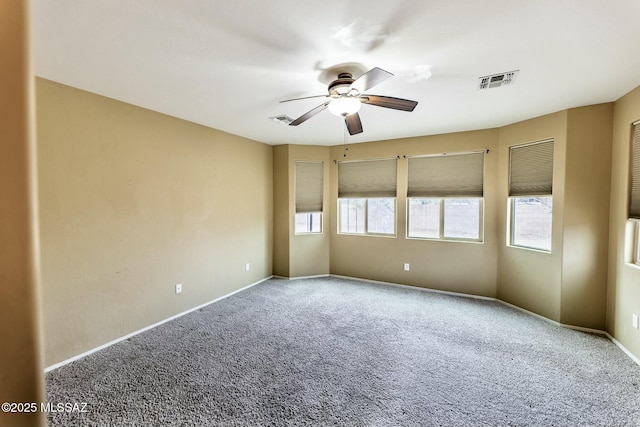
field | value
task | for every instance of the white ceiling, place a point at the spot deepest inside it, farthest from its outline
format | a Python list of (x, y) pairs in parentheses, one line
[(226, 64)]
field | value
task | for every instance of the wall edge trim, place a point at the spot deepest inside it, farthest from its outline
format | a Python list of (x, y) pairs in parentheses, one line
[(301, 277), (623, 348), (438, 291), (146, 328), (546, 319), (459, 294)]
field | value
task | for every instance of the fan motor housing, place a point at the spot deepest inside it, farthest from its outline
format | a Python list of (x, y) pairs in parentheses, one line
[(340, 85)]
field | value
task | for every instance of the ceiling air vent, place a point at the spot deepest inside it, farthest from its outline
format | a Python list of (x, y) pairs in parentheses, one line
[(497, 80), (282, 119)]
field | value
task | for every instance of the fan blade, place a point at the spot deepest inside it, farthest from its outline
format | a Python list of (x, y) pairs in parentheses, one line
[(370, 79), (389, 102), (354, 125), (306, 116), (304, 97)]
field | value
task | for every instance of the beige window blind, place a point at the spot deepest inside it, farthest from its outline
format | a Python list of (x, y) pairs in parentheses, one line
[(369, 178), (450, 175), (634, 204), (309, 186), (531, 169)]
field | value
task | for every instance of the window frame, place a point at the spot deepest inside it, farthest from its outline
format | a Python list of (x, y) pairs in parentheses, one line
[(634, 196), (441, 222), (636, 254), (308, 214), (309, 176), (511, 223), (366, 231), (541, 175)]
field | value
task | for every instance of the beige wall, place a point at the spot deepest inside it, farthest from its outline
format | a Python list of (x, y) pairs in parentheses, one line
[(526, 278), (20, 361), (623, 279), (586, 216), (133, 202), (306, 254), (567, 285), (452, 266), (310, 252), (281, 211)]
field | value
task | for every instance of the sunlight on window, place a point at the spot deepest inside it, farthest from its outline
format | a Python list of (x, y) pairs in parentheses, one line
[(352, 215), (381, 216), (445, 218), (424, 218), (309, 222), (531, 222), (462, 218), (367, 216)]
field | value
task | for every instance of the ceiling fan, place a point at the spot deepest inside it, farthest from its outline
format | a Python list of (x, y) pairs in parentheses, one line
[(346, 96)]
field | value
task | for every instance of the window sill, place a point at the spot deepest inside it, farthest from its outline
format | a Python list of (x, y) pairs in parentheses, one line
[(632, 265), (450, 240), (388, 236), (541, 251)]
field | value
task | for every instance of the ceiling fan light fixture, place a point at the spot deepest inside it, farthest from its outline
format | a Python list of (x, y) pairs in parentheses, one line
[(344, 106)]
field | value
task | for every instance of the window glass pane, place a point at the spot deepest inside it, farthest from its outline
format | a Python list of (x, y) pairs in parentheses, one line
[(352, 215), (381, 215), (462, 218), (531, 218), (424, 218), (309, 222)]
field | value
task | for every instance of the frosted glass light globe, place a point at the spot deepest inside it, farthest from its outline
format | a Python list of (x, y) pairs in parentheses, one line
[(344, 106)]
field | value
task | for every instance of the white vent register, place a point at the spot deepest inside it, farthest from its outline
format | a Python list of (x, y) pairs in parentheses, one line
[(497, 80)]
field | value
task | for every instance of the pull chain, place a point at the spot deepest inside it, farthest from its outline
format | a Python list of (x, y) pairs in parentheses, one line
[(345, 143)]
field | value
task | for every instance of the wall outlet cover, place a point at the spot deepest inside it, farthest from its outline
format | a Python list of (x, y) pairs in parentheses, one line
[(407, 267), (179, 288)]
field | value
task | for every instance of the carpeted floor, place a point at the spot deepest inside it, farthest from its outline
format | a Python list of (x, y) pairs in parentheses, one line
[(348, 353)]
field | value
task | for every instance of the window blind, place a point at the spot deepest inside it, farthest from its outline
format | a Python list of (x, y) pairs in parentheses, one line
[(369, 178), (454, 175), (634, 204), (531, 169), (309, 186)]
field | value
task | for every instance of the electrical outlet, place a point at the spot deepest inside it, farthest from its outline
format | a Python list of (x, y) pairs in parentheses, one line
[(406, 266), (247, 267), (179, 288), (634, 321)]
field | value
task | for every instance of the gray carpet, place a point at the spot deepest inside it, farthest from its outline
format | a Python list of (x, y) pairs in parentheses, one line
[(346, 353)]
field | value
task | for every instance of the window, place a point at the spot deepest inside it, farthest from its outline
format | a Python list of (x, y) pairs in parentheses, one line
[(309, 222), (352, 215), (309, 189), (634, 199), (531, 222), (367, 216), (445, 197), (367, 197), (530, 195), (445, 218)]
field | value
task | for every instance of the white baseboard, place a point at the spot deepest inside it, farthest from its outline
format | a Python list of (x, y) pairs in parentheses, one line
[(303, 277), (553, 322), (531, 313), (458, 294), (397, 285), (139, 331), (623, 348)]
